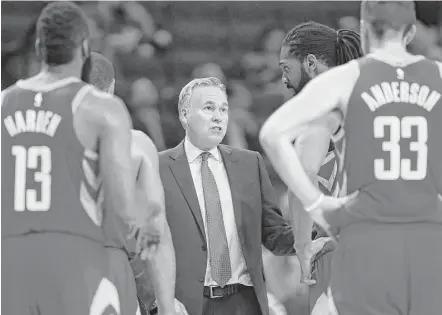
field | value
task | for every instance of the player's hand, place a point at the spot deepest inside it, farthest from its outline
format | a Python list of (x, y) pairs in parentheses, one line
[(329, 204), (148, 237), (305, 256)]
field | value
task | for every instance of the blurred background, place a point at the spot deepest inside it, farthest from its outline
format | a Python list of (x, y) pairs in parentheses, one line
[(157, 47)]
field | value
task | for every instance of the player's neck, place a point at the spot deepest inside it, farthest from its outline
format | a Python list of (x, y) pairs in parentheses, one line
[(389, 48), (61, 72)]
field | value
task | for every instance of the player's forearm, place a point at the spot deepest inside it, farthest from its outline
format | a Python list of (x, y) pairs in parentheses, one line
[(301, 221), (119, 191), (161, 270), (288, 166)]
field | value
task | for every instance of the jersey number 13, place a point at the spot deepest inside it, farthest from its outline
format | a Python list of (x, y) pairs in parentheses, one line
[(401, 129), (27, 160)]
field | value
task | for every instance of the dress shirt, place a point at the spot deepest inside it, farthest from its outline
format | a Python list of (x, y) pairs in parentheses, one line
[(216, 165)]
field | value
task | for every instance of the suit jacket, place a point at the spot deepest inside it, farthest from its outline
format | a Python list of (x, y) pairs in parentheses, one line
[(258, 219)]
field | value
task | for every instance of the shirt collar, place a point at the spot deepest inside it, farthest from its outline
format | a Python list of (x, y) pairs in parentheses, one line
[(192, 152)]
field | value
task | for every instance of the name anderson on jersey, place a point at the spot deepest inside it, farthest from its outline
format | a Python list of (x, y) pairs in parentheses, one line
[(40, 121), (400, 92)]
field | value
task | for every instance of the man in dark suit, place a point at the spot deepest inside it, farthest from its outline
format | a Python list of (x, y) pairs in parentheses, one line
[(221, 207)]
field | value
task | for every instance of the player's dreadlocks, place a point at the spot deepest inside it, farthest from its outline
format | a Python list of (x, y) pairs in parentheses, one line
[(333, 47)]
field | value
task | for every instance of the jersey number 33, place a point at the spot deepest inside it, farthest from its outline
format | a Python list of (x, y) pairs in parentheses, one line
[(401, 129)]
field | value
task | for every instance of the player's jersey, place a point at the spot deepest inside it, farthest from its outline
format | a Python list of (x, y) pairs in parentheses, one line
[(329, 177), (393, 143), (330, 174), (53, 183)]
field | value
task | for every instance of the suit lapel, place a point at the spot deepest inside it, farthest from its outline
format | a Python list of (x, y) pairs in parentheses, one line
[(181, 171), (233, 170)]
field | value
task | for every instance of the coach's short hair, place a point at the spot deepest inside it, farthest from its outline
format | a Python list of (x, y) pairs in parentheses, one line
[(187, 91), (102, 73), (61, 28)]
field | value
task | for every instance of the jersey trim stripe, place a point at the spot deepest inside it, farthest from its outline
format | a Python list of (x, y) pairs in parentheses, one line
[(92, 209), (329, 157), (90, 176), (92, 155), (439, 64), (80, 96), (25, 85)]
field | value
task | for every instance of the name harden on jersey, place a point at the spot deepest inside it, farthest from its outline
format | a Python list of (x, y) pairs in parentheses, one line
[(400, 92), (40, 121)]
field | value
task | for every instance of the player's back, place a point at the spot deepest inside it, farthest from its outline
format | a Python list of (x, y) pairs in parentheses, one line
[(393, 142), (53, 183)]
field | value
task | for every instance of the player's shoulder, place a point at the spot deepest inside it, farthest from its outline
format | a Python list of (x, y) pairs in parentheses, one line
[(8, 93), (95, 96), (103, 108), (142, 140), (349, 69)]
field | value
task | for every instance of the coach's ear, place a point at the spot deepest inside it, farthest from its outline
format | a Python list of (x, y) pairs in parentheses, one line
[(183, 115)]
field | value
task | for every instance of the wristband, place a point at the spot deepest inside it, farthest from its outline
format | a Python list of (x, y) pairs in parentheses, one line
[(316, 204)]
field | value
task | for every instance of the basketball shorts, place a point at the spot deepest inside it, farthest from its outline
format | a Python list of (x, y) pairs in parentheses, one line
[(56, 273), (318, 298), (388, 269), (121, 274)]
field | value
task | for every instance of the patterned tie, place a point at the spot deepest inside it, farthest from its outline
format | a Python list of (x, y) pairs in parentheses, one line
[(218, 247)]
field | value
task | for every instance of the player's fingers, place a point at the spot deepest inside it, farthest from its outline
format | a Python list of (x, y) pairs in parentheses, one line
[(349, 198), (308, 281), (144, 254)]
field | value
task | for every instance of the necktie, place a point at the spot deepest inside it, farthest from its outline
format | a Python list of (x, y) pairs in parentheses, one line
[(216, 232)]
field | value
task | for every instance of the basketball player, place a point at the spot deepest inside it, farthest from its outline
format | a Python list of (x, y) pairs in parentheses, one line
[(389, 255), (65, 153), (308, 50), (159, 268)]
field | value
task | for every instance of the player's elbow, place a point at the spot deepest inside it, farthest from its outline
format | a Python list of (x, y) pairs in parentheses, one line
[(267, 137)]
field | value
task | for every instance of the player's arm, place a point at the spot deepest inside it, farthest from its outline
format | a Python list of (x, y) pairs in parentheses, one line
[(148, 176), (312, 147), (160, 267), (322, 95), (113, 123)]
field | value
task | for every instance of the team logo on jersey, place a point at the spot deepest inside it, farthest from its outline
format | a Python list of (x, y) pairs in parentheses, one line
[(38, 99), (328, 182), (106, 299)]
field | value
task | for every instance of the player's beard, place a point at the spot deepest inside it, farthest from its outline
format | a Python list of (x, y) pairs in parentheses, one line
[(305, 78)]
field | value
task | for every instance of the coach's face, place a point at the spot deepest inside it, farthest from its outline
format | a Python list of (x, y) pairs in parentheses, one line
[(207, 117)]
